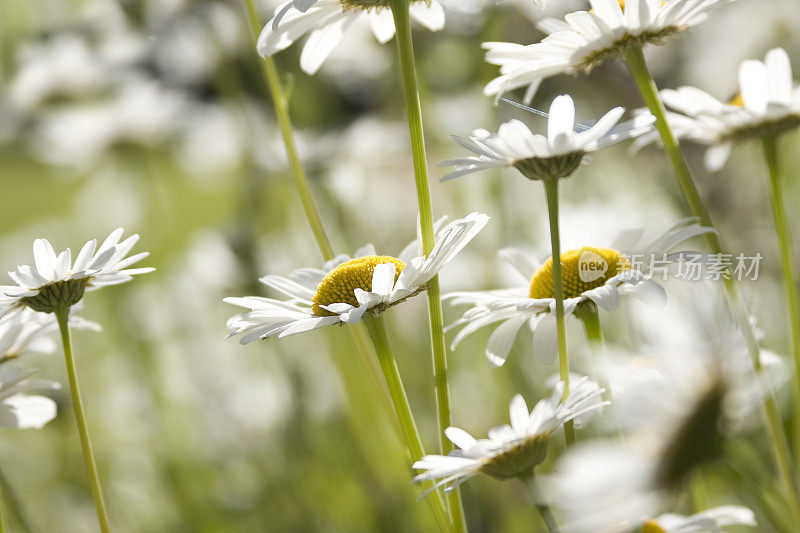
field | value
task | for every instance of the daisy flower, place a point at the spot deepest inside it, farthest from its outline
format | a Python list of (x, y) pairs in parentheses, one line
[(328, 20), (591, 276), (584, 39), (56, 282), (677, 403), (768, 104), (555, 155), (713, 519), (511, 450), (30, 332), (21, 410), (346, 288)]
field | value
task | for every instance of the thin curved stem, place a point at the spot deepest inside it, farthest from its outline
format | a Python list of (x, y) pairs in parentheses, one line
[(62, 316), (551, 193), (788, 263), (538, 500), (772, 420), (13, 504), (280, 103), (380, 338), (405, 47)]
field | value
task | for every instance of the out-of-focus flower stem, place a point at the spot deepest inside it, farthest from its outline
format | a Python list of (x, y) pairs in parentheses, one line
[(62, 316), (788, 264), (405, 47), (379, 333), (590, 318), (551, 193), (647, 87), (9, 497), (540, 502)]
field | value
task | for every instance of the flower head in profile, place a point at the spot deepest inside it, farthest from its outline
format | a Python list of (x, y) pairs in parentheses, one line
[(713, 519), (56, 282), (768, 103), (346, 288), (553, 156), (511, 450), (328, 20), (592, 276), (21, 410), (678, 403), (584, 39)]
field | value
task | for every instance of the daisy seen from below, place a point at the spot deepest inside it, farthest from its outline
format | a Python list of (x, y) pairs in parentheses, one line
[(540, 157), (584, 39), (55, 285), (624, 269), (346, 288), (768, 103), (678, 403), (511, 450), (326, 21), (55, 282)]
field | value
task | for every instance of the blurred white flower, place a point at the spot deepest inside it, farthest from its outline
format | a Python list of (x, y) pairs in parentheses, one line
[(346, 288), (713, 520), (534, 304), (677, 405), (31, 332), (768, 104), (327, 21), (21, 410), (511, 450), (55, 281), (585, 39), (142, 112), (536, 156)]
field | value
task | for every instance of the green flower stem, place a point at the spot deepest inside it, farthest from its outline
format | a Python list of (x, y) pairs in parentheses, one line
[(539, 501), (590, 318), (379, 333), (405, 47), (551, 193), (280, 104), (649, 92), (12, 504), (788, 263), (62, 316)]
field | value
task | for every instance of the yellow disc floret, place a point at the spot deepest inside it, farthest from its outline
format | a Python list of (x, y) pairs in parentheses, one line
[(651, 526), (737, 100), (339, 285), (581, 270)]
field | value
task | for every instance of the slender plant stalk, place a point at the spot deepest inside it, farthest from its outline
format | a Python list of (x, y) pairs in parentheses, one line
[(778, 443), (787, 251), (379, 333), (538, 500), (62, 316), (12, 504), (590, 318), (551, 193), (280, 102), (405, 47)]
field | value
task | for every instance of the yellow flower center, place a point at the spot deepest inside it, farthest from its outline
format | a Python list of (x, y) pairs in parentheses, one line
[(339, 285), (736, 100), (581, 270), (651, 526)]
